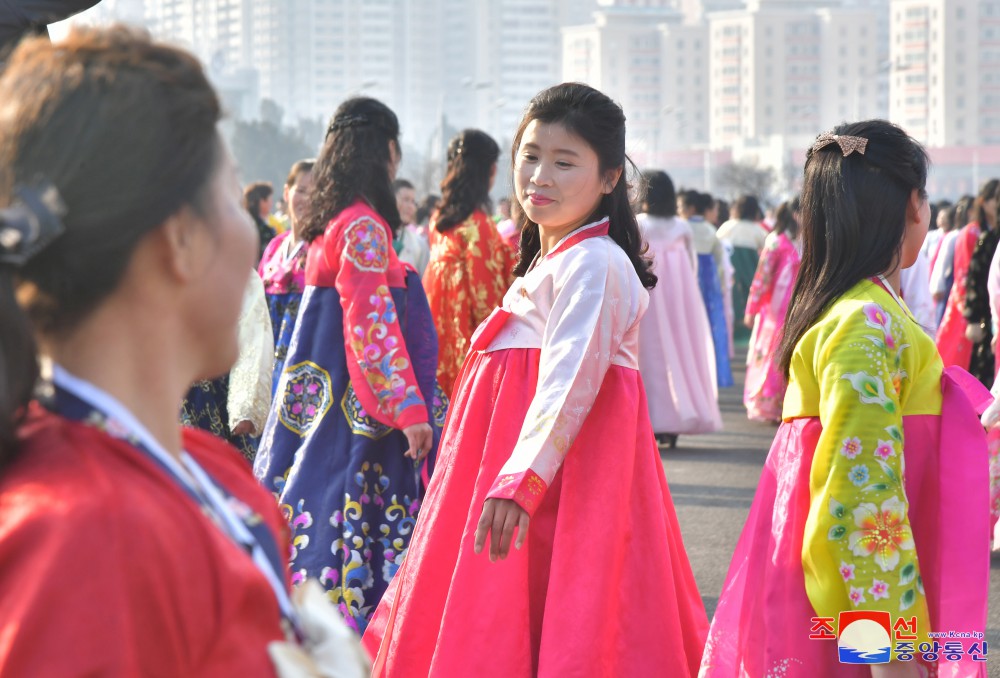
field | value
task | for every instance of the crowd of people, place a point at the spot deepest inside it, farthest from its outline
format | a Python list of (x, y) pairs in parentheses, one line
[(449, 420)]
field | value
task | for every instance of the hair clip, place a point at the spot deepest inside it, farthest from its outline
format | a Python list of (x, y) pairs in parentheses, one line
[(354, 120), (31, 223), (847, 144)]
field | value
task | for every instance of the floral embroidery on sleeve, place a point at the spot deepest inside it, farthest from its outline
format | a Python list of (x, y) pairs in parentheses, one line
[(863, 522), (367, 246), (371, 328)]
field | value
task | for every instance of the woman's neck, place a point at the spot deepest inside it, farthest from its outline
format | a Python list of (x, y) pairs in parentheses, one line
[(549, 236), (893, 278), (136, 362)]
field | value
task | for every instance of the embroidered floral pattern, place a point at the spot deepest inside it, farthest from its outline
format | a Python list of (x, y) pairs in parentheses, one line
[(380, 356), (350, 587), (367, 245), (358, 419), (851, 447), (307, 397), (885, 450), (858, 475), (870, 527), (882, 533), (879, 589)]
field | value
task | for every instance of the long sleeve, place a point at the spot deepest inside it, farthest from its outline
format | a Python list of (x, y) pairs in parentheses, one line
[(858, 550), (379, 364), (592, 310), (764, 278), (249, 397)]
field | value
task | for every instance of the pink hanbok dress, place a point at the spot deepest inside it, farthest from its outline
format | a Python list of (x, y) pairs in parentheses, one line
[(770, 294), (549, 410), (838, 525), (676, 353)]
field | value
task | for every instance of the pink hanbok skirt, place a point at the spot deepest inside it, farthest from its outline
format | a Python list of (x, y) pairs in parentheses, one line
[(602, 586), (762, 624)]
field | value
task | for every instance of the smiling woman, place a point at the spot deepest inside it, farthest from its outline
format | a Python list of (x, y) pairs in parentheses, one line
[(550, 462)]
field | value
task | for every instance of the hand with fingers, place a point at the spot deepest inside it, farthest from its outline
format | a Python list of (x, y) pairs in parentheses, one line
[(500, 517), (420, 438)]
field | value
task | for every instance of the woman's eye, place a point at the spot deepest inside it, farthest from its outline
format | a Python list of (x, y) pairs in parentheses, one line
[(563, 164), (527, 157)]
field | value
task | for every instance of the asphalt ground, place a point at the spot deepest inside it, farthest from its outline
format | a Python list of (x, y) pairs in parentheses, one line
[(713, 479)]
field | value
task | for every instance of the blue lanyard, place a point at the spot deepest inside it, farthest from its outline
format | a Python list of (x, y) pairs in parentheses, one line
[(77, 400)]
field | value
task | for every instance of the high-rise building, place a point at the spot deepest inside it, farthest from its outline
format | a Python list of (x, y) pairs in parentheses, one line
[(790, 69), (644, 56), (945, 81)]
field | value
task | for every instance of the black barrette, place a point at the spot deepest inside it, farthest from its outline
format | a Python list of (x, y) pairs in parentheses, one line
[(31, 223)]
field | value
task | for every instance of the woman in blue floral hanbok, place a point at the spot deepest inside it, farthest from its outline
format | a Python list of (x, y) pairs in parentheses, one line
[(350, 441), (283, 266)]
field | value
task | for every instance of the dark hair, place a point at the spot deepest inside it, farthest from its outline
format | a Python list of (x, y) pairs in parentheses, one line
[(472, 156), (354, 164), (254, 194), (784, 219), (723, 211), (747, 208), (125, 129), (963, 209), (427, 208), (400, 184), (854, 211), (600, 122), (989, 190), (298, 169), (699, 203), (661, 198)]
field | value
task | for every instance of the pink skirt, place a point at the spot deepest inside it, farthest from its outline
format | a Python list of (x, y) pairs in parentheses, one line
[(762, 624), (602, 586)]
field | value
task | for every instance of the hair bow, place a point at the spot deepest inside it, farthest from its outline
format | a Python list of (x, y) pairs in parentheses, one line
[(31, 223), (847, 144)]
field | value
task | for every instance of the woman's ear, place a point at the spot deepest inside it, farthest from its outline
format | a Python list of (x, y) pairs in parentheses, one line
[(183, 244), (611, 178)]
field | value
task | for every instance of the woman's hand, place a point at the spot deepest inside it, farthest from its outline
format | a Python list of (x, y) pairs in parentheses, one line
[(501, 516), (244, 428), (420, 437), (748, 321)]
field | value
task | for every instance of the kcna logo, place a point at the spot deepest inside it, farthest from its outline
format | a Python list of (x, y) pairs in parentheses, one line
[(865, 637)]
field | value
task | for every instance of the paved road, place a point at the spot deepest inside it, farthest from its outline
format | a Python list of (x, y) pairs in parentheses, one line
[(713, 479)]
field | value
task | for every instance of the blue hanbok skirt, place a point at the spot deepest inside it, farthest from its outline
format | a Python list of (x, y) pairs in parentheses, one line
[(340, 477), (711, 294)]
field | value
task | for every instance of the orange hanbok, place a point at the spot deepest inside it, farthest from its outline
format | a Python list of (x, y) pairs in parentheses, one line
[(470, 269)]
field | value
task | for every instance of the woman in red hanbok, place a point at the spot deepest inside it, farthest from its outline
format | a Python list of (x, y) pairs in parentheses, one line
[(470, 265), (952, 341), (548, 449), (129, 547)]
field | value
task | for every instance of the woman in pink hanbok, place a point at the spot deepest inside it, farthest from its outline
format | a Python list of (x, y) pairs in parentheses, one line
[(676, 352), (548, 449), (836, 527), (770, 292)]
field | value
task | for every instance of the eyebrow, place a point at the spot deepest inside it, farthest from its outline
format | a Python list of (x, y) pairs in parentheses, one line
[(564, 151)]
